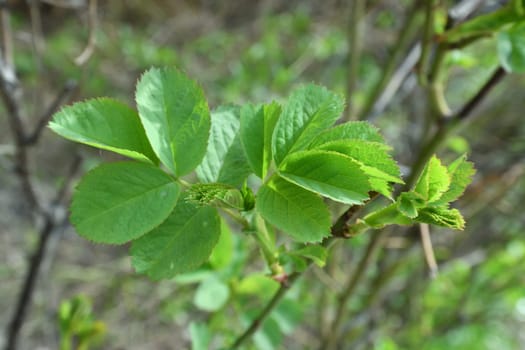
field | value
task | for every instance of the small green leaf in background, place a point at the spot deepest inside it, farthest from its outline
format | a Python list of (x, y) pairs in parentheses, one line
[(176, 118), (348, 131), (200, 336), (225, 161), (296, 211), (310, 110), (180, 244), (316, 253), (107, 124), (222, 254), (329, 174), (257, 125), (482, 25), (212, 294), (511, 48), (434, 180), (118, 202)]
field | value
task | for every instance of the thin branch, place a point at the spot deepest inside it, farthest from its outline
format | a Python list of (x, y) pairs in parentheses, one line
[(92, 23), (406, 34), (30, 281), (465, 112), (428, 250), (427, 42), (376, 242), (62, 97), (355, 29), (37, 38), (257, 322)]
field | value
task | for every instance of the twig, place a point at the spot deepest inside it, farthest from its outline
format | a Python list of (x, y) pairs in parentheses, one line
[(426, 42), (8, 86), (405, 35), (451, 124), (37, 39), (61, 99), (355, 28), (92, 23), (376, 242), (26, 293), (428, 250), (257, 322)]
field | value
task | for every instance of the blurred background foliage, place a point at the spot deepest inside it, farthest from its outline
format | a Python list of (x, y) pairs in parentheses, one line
[(257, 51)]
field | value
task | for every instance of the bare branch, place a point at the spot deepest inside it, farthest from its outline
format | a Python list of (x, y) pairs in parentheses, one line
[(92, 23)]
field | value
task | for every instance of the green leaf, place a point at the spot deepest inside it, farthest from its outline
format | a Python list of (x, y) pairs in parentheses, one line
[(223, 252), (374, 160), (299, 213), (434, 180), (318, 254), (330, 174), (257, 125), (180, 244), (310, 110), (442, 216), (119, 202), (511, 48), (107, 124), (200, 336), (349, 131), (211, 295), (461, 172), (389, 215), (225, 160), (176, 118), (482, 25)]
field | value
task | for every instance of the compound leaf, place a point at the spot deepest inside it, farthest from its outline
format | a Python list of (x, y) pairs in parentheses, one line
[(180, 244), (329, 174), (310, 110), (294, 210), (107, 124), (176, 118), (119, 202)]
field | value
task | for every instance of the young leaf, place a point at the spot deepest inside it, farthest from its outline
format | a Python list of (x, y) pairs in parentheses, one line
[(218, 195), (329, 174), (511, 48), (180, 244), (224, 161), (349, 131), (434, 180), (119, 202), (257, 125), (176, 118), (461, 172), (407, 205), (442, 216), (310, 110), (107, 124), (299, 213)]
